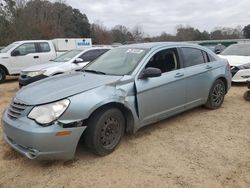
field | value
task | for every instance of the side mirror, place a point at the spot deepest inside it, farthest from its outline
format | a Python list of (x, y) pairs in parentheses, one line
[(15, 53), (78, 60), (151, 72)]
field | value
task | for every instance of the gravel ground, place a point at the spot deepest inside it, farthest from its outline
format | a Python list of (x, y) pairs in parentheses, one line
[(198, 148)]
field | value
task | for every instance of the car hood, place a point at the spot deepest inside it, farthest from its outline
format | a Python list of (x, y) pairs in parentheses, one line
[(235, 60), (62, 86), (42, 66), (3, 56)]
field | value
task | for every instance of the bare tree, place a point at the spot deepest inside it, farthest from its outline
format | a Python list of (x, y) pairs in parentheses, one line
[(20, 3), (137, 33), (100, 34)]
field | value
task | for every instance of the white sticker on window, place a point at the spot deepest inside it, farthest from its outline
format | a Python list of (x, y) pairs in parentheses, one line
[(134, 51)]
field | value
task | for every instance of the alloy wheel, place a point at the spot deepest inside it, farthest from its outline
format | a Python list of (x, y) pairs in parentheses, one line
[(218, 94)]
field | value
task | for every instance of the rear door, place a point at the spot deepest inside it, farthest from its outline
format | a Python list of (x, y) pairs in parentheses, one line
[(45, 52), (198, 73), (160, 97)]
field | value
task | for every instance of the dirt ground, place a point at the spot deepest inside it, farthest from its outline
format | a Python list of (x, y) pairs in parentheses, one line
[(199, 148)]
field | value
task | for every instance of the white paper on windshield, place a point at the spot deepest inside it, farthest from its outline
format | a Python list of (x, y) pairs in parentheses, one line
[(134, 51)]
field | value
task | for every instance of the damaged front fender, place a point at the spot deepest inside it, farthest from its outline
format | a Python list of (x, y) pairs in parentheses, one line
[(84, 104)]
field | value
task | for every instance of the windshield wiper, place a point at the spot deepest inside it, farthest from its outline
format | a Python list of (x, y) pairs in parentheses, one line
[(96, 72)]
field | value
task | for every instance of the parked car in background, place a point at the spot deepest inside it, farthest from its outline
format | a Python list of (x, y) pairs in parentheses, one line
[(238, 56), (22, 54), (70, 61), (1, 47), (247, 93), (216, 48), (122, 91)]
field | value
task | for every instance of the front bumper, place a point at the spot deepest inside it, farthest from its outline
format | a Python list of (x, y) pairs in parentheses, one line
[(36, 142), (24, 80), (241, 75)]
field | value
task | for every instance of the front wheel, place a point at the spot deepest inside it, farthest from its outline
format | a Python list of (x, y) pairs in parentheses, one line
[(105, 130), (2, 75), (216, 95)]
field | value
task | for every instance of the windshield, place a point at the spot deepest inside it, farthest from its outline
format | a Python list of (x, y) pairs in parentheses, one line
[(118, 61), (67, 56), (238, 49), (7, 48)]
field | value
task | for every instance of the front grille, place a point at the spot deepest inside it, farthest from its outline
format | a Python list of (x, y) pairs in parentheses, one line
[(234, 70), (16, 109)]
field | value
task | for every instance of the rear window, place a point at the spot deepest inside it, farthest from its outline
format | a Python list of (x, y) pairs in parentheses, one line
[(192, 56)]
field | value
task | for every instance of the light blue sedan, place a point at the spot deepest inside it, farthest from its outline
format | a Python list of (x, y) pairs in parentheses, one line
[(122, 91)]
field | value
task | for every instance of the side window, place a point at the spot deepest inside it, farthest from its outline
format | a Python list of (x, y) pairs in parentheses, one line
[(192, 56), (211, 58), (208, 57), (44, 47), (91, 55), (165, 60), (205, 56), (26, 48)]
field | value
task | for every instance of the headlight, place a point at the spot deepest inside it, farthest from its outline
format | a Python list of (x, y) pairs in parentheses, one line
[(245, 66), (35, 73), (46, 114)]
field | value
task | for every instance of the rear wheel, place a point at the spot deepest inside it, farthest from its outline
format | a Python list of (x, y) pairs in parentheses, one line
[(216, 95), (105, 130), (2, 75)]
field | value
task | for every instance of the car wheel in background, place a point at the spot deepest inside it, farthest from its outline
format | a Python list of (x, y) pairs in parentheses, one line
[(2, 75), (105, 130), (216, 95), (247, 95)]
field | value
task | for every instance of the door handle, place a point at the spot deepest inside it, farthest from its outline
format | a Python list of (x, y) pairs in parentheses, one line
[(35, 57), (209, 67), (178, 75)]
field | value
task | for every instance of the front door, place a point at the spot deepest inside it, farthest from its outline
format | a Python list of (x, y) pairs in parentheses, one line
[(24, 56), (163, 96)]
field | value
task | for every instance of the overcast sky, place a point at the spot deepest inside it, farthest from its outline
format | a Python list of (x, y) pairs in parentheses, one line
[(156, 16)]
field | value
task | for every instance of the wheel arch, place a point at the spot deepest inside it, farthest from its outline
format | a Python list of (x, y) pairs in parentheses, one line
[(224, 81), (5, 69), (128, 115)]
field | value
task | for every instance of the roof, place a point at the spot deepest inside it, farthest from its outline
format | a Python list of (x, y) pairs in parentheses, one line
[(151, 45), (24, 41)]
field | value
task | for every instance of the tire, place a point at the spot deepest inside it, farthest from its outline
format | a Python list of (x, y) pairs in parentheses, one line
[(105, 130), (247, 95), (216, 95), (2, 75)]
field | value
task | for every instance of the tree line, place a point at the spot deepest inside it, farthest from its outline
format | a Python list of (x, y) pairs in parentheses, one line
[(42, 19)]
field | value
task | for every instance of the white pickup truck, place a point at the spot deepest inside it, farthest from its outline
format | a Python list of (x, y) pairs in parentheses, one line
[(23, 54)]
